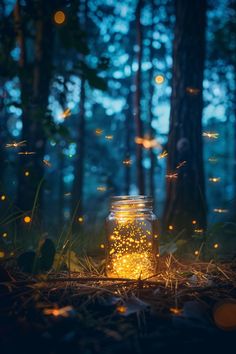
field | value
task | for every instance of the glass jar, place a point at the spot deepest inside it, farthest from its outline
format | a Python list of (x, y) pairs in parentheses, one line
[(132, 238)]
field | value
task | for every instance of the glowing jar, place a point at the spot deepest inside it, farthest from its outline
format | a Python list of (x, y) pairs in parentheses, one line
[(132, 245)]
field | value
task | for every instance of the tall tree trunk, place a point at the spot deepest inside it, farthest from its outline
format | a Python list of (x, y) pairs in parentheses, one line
[(185, 200), (151, 92), (137, 102), (35, 83), (78, 185), (127, 164)]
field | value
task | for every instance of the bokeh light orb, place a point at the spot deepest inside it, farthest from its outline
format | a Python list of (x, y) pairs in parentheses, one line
[(59, 17), (27, 219), (159, 79)]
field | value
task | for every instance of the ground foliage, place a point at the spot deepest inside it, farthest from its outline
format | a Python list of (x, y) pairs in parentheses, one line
[(85, 312)]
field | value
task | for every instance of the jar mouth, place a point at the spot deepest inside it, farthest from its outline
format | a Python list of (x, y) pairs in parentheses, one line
[(131, 203)]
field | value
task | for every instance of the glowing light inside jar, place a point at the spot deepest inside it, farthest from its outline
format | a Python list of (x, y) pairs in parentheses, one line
[(131, 251)]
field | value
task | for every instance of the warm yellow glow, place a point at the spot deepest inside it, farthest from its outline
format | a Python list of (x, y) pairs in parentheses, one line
[(66, 113), (59, 17), (101, 188), (147, 142), (27, 173), (64, 311), (127, 162), (176, 311), (216, 245), (163, 154), (172, 175), (198, 231), (121, 309), (3, 197), (2, 254), (131, 265), (109, 137), (4, 234), (194, 222), (214, 179), (192, 91), (220, 210), (27, 219), (102, 245), (159, 79), (170, 227), (211, 135), (14, 144), (196, 253), (98, 131), (80, 219), (131, 249), (26, 153)]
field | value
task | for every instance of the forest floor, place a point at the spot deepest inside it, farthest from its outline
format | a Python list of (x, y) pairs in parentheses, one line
[(186, 308)]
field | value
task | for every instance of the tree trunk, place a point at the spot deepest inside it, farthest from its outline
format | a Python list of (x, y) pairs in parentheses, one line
[(35, 83), (78, 185), (151, 92), (185, 200), (137, 102), (127, 164)]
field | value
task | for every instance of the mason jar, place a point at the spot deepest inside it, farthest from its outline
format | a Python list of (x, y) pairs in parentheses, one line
[(132, 238)]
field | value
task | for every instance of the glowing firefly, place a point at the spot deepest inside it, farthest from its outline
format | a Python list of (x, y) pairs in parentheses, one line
[(181, 164), (14, 144), (211, 135), (26, 153), (163, 154), (193, 91), (214, 179), (147, 143), (47, 163), (127, 162), (172, 175), (66, 113)]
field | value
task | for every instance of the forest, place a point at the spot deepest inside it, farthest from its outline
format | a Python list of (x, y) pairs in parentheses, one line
[(117, 128)]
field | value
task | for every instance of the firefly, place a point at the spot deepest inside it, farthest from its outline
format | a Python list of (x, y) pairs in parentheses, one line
[(26, 153), (163, 154), (102, 246), (109, 137), (196, 253), (216, 245), (66, 113), (147, 143), (170, 227), (193, 91), (220, 210), (14, 144), (175, 310), (3, 197), (214, 179), (80, 219), (98, 131), (121, 309), (210, 135), (27, 173), (127, 162), (181, 164), (101, 188), (172, 175), (198, 231), (47, 163)]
